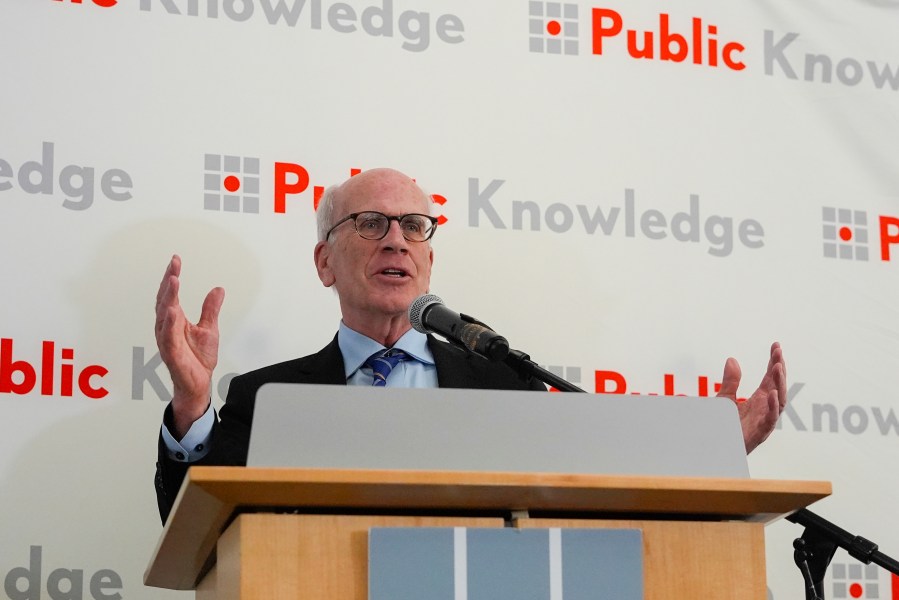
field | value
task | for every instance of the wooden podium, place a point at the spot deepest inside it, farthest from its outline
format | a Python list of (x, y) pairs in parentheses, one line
[(254, 533)]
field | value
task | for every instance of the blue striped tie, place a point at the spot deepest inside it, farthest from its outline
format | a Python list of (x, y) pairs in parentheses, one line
[(382, 363)]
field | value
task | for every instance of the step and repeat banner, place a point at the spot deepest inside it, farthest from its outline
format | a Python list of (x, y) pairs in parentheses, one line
[(630, 192)]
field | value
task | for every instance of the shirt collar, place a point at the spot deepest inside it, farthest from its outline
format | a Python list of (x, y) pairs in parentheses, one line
[(356, 348)]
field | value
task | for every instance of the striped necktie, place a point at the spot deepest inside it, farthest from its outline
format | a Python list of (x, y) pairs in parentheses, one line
[(382, 363)]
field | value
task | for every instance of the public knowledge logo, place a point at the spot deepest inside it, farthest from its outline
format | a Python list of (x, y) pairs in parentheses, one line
[(845, 233), (553, 28), (231, 184), (855, 580), (691, 39), (234, 184)]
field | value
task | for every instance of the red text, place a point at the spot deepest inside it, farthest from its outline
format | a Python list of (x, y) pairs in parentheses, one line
[(292, 179), (21, 377), (101, 3), (889, 235), (701, 45), (612, 382)]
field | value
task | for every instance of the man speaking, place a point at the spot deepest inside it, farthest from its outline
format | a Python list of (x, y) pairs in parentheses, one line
[(374, 248)]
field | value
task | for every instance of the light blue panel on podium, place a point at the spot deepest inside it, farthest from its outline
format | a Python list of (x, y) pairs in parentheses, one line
[(501, 564)]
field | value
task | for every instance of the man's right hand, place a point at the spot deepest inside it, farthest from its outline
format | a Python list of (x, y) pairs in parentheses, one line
[(189, 351)]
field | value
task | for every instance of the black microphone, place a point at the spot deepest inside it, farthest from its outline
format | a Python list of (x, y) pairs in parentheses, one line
[(429, 314)]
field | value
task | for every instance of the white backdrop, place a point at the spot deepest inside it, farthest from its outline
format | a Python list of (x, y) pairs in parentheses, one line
[(564, 176)]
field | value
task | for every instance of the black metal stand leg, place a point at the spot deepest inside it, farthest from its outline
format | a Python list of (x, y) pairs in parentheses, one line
[(812, 554)]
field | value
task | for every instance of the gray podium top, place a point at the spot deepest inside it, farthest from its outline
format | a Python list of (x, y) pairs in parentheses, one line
[(354, 427)]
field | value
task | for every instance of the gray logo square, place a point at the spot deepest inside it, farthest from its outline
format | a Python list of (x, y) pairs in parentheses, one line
[(231, 183), (549, 23)]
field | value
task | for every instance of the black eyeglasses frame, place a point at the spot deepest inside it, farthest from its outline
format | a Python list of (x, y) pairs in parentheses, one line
[(398, 218)]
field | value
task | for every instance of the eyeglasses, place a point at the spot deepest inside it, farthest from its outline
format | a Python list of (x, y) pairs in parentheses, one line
[(373, 225)]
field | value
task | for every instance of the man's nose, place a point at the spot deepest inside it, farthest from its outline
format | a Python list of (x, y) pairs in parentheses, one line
[(394, 239)]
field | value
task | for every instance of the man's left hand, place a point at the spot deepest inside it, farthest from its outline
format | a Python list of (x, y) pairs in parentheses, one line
[(759, 412)]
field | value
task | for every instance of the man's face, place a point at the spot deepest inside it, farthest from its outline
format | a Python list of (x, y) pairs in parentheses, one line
[(375, 279)]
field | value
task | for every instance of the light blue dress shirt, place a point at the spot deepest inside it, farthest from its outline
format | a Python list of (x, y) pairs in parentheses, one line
[(357, 348)]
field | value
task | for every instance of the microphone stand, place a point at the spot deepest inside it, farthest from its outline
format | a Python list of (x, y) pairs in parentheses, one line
[(517, 360), (815, 549), (522, 364)]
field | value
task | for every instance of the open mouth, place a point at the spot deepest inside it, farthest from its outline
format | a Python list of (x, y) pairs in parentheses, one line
[(398, 273)]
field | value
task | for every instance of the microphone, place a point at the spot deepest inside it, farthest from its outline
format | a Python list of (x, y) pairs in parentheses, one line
[(429, 314)]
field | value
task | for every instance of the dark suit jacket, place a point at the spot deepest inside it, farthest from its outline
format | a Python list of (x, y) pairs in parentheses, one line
[(231, 433)]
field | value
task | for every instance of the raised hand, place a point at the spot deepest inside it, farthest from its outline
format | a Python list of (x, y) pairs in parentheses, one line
[(759, 412), (190, 351)]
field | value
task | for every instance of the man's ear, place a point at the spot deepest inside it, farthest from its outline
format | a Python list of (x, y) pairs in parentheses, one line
[(322, 256)]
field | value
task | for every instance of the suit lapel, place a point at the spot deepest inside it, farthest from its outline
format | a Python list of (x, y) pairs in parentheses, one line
[(326, 366), (455, 367)]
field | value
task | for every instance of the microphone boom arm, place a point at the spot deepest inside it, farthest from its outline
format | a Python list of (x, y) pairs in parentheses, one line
[(522, 364)]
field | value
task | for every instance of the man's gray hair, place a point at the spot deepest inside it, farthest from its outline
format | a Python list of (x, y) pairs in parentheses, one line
[(324, 215)]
